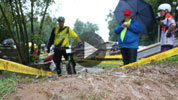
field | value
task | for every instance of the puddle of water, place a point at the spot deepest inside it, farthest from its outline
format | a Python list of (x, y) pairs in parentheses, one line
[(123, 76), (91, 70)]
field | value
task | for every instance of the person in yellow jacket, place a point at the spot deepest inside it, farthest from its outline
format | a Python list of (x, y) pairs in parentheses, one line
[(60, 39)]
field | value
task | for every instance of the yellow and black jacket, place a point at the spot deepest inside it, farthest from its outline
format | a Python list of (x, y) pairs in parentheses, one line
[(60, 37)]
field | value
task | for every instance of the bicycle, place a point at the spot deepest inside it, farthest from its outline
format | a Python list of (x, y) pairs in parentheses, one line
[(68, 62), (69, 66)]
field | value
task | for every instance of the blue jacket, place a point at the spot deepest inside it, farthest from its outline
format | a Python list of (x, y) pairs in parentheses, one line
[(131, 39)]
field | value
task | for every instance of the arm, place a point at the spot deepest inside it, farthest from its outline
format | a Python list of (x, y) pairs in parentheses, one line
[(171, 28), (74, 35), (51, 40), (135, 27)]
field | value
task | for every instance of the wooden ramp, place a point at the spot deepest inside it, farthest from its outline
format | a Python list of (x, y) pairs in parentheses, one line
[(142, 53)]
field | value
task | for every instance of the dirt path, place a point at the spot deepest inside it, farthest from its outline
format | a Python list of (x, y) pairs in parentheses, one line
[(134, 83)]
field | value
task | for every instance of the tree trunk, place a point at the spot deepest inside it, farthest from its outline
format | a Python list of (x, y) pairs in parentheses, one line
[(41, 25), (32, 28), (26, 35), (22, 35), (16, 24), (10, 31)]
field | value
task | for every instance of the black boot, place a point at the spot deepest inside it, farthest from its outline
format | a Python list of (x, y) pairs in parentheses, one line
[(58, 69)]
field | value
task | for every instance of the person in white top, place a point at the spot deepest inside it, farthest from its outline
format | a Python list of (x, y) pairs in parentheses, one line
[(168, 25)]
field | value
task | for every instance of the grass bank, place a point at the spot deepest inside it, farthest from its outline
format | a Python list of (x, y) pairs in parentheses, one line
[(10, 82)]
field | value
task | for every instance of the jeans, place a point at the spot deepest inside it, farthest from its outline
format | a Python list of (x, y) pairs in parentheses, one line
[(129, 55)]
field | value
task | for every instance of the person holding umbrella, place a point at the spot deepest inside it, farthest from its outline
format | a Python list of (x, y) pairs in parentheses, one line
[(128, 37), (168, 25)]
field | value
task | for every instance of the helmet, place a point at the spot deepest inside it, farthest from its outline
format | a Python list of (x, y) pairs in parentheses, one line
[(61, 19), (164, 6)]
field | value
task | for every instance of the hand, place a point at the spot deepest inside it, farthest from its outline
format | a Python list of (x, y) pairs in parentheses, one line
[(168, 35), (160, 23), (125, 25), (158, 18), (80, 45)]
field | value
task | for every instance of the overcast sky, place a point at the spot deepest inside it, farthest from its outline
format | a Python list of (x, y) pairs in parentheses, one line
[(94, 11)]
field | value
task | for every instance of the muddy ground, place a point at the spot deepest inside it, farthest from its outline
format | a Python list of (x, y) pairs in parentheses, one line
[(151, 82)]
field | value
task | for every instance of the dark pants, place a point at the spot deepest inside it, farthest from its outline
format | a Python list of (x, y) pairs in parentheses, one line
[(58, 53), (129, 55), (166, 47)]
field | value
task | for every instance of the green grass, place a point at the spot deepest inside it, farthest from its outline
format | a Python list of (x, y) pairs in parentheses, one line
[(108, 65), (172, 60), (10, 82)]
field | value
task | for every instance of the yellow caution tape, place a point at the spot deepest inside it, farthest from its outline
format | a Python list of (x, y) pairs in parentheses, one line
[(156, 57), (111, 62), (16, 67), (111, 57)]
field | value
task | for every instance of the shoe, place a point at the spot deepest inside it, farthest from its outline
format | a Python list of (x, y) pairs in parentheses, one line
[(59, 75), (59, 72)]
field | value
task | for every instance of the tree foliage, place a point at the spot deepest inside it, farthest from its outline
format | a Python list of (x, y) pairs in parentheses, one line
[(112, 23), (78, 27), (81, 27), (16, 15), (3, 31)]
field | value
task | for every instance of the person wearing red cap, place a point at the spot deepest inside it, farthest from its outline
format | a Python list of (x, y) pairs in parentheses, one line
[(128, 37)]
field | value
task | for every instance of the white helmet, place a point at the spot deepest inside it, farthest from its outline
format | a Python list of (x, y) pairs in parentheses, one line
[(164, 6)]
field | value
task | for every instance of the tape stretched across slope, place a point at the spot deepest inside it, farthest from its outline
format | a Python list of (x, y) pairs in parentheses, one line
[(20, 68), (156, 57)]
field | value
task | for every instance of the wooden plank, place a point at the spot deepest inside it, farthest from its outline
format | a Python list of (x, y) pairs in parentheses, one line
[(149, 47), (142, 53), (149, 51)]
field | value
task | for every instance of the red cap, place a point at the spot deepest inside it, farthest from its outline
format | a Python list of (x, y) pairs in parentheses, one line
[(127, 12)]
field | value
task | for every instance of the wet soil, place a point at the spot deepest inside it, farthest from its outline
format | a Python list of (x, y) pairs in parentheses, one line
[(151, 82)]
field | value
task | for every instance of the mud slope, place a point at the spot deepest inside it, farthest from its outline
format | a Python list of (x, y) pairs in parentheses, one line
[(134, 83)]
